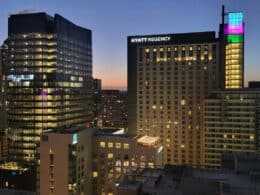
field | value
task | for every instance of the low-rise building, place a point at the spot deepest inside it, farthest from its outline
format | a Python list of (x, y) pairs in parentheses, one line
[(79, 160), (65, 161), (118, 154)]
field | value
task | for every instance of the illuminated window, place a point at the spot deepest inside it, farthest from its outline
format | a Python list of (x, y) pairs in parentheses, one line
[(153, 107), (110, 144), (251, 137), (151, 165), (118, 163), (183, 102), (102, 144), (110, 155), (126, 163), (94, 174), (225, 135), (118, 169), (118, 145), (126, 146)]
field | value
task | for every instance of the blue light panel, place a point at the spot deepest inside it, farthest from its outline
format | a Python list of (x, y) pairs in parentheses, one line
[(74, 138), (235, 18)]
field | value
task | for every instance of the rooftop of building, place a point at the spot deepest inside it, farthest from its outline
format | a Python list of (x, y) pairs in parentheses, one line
[(245, 89), (175, 38), (111, 132), (12, 166), (148, 140), (37, 22), (69, 129), (181, 180)]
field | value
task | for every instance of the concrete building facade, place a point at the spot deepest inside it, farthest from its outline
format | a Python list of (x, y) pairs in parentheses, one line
[(79, 160), (118, 154), (65, 162), (232, 124), (169, 77)]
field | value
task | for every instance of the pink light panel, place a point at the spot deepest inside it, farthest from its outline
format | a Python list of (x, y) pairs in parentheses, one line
[(234, 29)]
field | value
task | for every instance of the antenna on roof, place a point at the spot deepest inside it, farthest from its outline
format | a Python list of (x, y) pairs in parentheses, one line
[(223, 14)]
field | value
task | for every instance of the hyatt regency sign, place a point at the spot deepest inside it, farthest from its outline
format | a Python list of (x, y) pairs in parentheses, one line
[(150, 39)]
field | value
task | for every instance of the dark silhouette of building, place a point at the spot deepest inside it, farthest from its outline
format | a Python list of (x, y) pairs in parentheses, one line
[(97, 93), (3, 114)]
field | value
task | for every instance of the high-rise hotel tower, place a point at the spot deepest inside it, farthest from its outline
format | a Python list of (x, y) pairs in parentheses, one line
[(169, 76), (49, 72)]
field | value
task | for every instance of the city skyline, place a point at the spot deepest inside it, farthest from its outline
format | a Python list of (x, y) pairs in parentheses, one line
[(119, 20), (173, 104)]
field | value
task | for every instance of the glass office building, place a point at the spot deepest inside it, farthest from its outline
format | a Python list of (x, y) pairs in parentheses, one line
[(49, 73)]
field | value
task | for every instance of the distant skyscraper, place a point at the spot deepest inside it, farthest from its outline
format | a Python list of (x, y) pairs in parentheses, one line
[(254, 84), (169, 77), (232, 124), (49, 78), (97, 84), (113, 112), (97, 88)]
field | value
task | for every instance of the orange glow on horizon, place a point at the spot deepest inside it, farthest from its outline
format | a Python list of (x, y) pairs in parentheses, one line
[(116, 83), (111, 78)]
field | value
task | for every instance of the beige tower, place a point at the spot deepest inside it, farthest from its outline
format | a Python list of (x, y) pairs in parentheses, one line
[(169, 77)]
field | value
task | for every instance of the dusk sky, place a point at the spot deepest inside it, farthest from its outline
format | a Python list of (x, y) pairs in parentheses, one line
[(112, 21)]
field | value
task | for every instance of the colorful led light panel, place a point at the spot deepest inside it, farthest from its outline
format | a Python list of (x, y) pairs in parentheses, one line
[(235, 38), (235, 18), (234, 29)]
